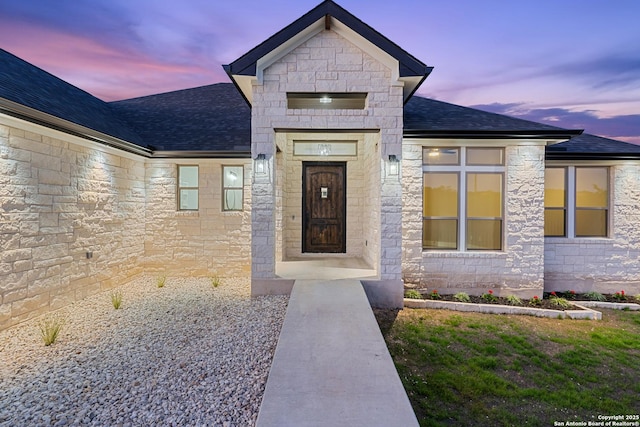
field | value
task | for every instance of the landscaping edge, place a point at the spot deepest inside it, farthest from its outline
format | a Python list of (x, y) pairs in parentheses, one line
[(585, 313)]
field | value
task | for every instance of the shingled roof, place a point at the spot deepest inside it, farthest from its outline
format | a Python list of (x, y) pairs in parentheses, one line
[(425, 117), (29, 92), (212, 118), (585, 147)]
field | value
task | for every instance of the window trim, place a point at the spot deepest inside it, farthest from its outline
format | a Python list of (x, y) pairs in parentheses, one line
[(180, 188), (462, 169)]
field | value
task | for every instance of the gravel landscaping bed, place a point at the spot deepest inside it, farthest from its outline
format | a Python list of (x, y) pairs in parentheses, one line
[(184, 354)]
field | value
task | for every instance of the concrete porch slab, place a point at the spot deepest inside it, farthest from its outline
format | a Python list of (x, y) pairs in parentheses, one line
[(324, 268), (331, 366)]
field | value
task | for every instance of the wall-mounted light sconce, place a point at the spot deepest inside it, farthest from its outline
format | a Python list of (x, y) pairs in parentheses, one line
[(394, 165), (261, 164)]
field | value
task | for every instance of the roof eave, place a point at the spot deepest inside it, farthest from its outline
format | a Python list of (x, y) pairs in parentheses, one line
[(408, 65), (427, 73), (227, 69), (568, 155), (22, 112), (202, 154), (559, 134)]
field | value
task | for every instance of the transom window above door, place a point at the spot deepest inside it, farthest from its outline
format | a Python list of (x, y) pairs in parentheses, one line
[(463, 198)]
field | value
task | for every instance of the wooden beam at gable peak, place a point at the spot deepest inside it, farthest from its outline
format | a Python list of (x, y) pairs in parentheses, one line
[(327, 22)]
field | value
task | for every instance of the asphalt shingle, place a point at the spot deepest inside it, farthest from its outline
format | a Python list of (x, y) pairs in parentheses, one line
[(431, 115), (206, 118), (593, 144), (216, 118), (28, 85)]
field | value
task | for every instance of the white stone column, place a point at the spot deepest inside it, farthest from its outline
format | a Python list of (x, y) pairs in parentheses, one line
[(391, 205), (263, 230)]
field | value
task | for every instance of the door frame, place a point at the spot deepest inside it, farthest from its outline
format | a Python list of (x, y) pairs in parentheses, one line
[(305, 216)]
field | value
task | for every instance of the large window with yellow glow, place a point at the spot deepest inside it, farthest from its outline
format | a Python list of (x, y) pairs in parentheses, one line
[(440, 210), (555, 202), (463, 198), (576, 201), (484, 211)]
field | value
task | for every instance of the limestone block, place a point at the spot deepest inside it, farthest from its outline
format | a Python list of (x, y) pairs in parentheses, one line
[(14, 295), (22, 265), (27, 305)]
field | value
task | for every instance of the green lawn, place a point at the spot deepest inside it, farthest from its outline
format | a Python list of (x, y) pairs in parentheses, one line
[(479, 369)]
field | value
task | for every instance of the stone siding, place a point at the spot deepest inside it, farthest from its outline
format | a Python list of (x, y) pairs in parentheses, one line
[(518, 269), (62, 197), (60, 201), (327, 63), (206, 242), (606, 265)]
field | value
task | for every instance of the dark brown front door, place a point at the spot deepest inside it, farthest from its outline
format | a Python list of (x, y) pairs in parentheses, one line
[(324, 207)]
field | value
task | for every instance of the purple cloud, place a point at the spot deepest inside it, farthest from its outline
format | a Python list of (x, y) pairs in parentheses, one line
[(622, 127), (609, 71)]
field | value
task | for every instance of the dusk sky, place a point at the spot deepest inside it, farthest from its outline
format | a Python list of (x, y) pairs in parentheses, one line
[(569, 63)]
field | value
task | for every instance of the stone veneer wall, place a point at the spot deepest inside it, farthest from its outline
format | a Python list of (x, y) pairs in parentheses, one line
[(59, 199), (206, 242), (325, 63), (62, 196), (518, 269), (280, 197), (606, 265), (371, 212)]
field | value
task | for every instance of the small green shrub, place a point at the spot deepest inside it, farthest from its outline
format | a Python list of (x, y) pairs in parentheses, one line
[(434, 294), (558, 301), (50, 328), (595, 296), (637, 297), (462, 297), (215, 281), (160, 281), (513, 300), (413, 294), (116, 299)]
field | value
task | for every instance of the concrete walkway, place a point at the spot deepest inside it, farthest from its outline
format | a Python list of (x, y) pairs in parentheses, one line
[(331, 366)]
